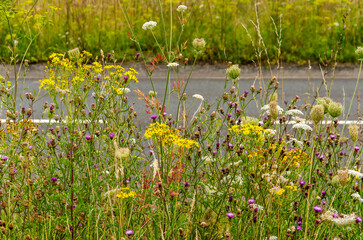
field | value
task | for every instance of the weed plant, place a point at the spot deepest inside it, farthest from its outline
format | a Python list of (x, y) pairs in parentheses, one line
[(91, 172)]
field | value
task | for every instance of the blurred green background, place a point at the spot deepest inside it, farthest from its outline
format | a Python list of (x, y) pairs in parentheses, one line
[(306, 29)]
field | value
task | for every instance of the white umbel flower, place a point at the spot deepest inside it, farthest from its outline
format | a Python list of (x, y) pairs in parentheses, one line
[(198, 96), (355, 174), (181, 8), (271, 238), (357, 197), (303, 126), (293, 112), (124, 90), (174, 64), (266, 109), (149, 25), (345, 220)]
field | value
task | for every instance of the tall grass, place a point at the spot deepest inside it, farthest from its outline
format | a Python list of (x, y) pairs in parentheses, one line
[(310, 28)]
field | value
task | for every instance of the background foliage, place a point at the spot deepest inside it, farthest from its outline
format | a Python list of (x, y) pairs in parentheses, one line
[(308, 28)]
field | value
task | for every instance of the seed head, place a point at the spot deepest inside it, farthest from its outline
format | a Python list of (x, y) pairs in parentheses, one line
[(317, 113)]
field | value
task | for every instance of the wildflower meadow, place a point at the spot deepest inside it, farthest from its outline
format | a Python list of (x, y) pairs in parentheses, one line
[(93, 170)]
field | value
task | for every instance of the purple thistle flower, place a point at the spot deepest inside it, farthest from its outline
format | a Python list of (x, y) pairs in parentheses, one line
[(70, 228), (335, 215), (299, 228), (129, 232), (230, 215), (302, 183), (87, 137), (300, 223), (332, 136), (4, 158), (54, 179), (111, 135), (126, 78), (254, 219), (251, 201), (246, 92), (358, 220), (318, 208), (153, 117), (229, 115), (356, 148), (186, 184)]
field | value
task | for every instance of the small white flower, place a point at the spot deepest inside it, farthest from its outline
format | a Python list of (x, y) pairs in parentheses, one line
[(294, 140), (174, 64), (124, 90), (336, 24), (182, 8), (198, 96), (271, 238), (294, 112), (266, 109), (302, 126), (237, 180), (357, 196), (345, 220), (208, 159), (355, 174), (149, 25)]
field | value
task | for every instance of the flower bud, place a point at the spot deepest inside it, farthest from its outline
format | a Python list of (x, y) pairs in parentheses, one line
[(359, 52), (274, 111), (317, 113), (199, 44), (233, 72), (325, 102), (353, 132), (335, 109), (273, 97)]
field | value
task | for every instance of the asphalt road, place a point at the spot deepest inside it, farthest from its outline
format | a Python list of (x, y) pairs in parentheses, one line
[(209, 81)]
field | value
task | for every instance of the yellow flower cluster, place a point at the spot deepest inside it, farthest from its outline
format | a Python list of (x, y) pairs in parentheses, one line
[(66, 73), (126, 193), (247, 129), (296, 157), (168, 136), (279, 191)]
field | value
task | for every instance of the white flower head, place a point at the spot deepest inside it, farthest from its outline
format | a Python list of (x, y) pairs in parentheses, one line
[(345, 220), (303, 126), (266, 109), (355, 174), (124, 90), (174, 64), (181, 8), (294, 112), (357, 197), (198, 96), (149, 25)]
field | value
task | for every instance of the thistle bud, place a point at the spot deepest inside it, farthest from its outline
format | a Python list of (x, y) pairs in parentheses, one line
[(335, 109), (233, 72), (353, 132), (317, 113)]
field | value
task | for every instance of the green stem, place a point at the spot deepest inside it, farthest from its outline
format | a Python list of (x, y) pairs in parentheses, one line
[(351, 101)]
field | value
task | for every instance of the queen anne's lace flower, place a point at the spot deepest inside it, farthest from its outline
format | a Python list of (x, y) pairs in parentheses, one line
[(302, 126), (357, 197), (294, 112), (198, 96), (181, 8), (149, 25), (266, 109), (174, 64), (355, 174), (345, 220)]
